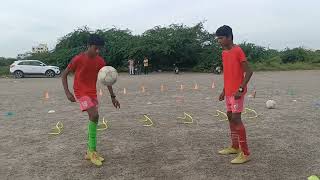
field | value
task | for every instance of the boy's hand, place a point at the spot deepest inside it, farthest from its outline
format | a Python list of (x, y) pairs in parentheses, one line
[(238, 95), (115, 103), (221, 97), (71, 97)]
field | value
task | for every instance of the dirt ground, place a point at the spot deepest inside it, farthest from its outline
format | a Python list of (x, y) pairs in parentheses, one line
[(284, 142)]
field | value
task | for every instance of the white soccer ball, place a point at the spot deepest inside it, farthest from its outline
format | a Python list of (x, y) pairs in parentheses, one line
[(107, 75), (271, 104)]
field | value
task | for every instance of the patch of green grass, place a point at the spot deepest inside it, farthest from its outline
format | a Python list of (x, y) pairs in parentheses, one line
[(4, 71), (275, 66)]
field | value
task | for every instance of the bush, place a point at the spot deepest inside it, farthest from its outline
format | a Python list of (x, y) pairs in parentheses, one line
[(4, 70), (253, 52), (294, 55)]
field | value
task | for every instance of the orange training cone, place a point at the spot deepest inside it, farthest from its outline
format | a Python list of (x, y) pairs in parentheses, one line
[(143, 89), (196, 87), (46, 95), (161, 88), (181, 87)]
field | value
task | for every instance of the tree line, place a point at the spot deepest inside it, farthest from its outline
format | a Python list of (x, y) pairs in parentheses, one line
[(190, 48)]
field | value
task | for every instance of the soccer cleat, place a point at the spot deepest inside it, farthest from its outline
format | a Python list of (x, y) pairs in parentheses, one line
[(240, 159), (94, 158), (229, 150), (87, 157)]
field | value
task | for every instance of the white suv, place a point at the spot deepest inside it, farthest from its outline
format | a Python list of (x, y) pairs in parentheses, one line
[(22, 67)]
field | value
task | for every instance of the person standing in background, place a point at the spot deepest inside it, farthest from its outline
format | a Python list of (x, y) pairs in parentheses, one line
[(131, 66), (145, 65)]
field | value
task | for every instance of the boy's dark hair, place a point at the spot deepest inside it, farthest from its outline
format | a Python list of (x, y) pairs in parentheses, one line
[(95, 39), (225, 31)]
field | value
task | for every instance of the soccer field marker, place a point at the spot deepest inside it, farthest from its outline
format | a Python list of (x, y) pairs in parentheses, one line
[(124, 91), (103, 126), (224, 114), (187, 118), (9, 114), (57, 129), (245, 111), (248, 109), (51, 111), (147, 119)]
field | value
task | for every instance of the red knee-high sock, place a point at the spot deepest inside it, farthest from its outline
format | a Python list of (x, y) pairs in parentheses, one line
[(242, 138), (234, 135)]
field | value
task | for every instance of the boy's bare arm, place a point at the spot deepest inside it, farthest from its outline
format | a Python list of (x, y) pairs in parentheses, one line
[(64, 78), (115, 102), (248, 73)]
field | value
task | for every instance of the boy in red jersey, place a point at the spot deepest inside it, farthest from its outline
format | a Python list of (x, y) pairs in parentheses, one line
[(236, 73), (86, 66)]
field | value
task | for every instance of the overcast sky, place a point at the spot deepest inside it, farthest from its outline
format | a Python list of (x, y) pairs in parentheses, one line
[(274, 23)]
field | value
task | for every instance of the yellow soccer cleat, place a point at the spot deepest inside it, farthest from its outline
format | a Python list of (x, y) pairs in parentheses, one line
[(94, 158), (87, 157), (229, 150), (240, 159)]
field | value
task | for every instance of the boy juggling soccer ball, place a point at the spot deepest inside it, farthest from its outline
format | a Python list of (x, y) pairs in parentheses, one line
[(85, 67), (236, 74)]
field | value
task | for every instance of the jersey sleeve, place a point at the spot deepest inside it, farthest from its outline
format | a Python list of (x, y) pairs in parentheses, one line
[(241, 55), (72, 66)]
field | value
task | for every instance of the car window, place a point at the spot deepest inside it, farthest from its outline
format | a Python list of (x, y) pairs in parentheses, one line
[(24, 63), (35, 63)]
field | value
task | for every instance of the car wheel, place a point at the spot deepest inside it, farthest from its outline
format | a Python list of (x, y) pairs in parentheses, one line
[(50, 74), (18, 74)]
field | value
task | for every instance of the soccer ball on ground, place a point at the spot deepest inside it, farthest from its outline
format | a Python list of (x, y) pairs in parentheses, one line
[(271, 104), (107, 75)]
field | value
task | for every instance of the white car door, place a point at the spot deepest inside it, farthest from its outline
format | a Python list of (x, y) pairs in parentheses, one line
[(36, 67), (25, 67)]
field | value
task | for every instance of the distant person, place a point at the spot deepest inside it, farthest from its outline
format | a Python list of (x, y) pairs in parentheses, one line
[(131, 66), (138, 68), (176, 69), (146, 65), (85, 67), (237, 74), (218, 70)]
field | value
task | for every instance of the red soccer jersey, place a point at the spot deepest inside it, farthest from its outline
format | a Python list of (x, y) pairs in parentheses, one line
[(232, 70), (86, 73)]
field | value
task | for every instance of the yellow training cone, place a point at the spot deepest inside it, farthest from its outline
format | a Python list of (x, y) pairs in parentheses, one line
[(102, 126), (187, 118), (147, 119), (57, 129), (251, 110), (224, 114)]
